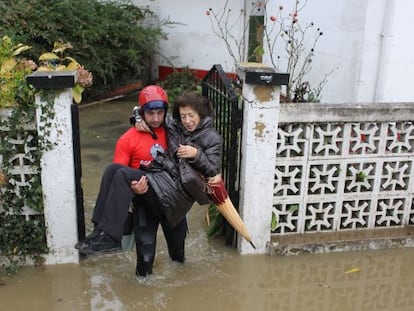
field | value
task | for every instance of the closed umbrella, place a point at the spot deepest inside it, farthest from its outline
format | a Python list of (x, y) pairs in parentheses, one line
[(221, 199)]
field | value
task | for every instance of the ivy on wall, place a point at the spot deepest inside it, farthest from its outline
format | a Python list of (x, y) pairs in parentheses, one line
[(22, 233)]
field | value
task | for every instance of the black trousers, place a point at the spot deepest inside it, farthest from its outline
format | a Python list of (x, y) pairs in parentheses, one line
[(114, 198), (111, 212), (145, 224)]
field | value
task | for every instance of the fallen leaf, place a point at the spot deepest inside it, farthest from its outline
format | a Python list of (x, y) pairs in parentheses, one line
[(353, 270)]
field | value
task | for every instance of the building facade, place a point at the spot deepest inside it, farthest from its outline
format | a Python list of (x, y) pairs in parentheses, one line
[(366, 47)]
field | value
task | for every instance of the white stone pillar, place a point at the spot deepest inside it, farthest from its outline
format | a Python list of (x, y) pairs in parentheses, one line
[(261, 95), (57, 170)]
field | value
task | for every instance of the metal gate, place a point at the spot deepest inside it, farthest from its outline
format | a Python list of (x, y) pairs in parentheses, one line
[(218, 88)]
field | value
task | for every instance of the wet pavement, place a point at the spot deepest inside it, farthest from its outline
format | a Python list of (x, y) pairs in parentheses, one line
[(214, 277)]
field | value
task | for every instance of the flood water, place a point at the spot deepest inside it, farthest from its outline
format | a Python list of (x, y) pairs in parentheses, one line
[(214, 276)]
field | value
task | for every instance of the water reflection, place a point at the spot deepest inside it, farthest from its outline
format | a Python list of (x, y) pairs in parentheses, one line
[(214, 277)]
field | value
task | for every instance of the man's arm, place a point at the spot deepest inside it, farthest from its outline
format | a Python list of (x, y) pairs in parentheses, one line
[(122, 154)]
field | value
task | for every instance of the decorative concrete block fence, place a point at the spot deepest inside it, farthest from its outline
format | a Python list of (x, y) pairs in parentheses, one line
[(321, 177), (343, 177)]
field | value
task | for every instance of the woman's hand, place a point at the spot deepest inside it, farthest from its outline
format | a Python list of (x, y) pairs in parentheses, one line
[(140, 186), (186, 152)]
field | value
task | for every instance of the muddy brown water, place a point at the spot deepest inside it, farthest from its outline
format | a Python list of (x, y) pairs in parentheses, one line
[(214, 277)]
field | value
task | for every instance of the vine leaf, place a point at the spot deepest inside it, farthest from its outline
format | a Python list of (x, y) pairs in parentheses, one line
[(361, 176), (77, 93), (293, 208), (274, 222)]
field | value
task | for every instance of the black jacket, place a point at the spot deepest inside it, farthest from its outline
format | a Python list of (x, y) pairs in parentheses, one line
[(205, 138), (163, 174)]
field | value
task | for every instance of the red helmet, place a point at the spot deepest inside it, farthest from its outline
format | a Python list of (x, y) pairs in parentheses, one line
[(153, 97)]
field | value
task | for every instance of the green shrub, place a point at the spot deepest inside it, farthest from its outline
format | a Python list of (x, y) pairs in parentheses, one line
[(109, 38), (13, 71), (180, 81)]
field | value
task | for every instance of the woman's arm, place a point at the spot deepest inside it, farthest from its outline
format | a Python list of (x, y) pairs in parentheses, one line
[(208, 159), (174, 135)]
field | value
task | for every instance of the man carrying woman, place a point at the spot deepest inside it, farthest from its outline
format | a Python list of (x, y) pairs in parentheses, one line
[(191, 136)]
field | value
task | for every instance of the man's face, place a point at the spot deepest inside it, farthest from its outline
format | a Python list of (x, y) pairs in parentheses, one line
[(154, 117)]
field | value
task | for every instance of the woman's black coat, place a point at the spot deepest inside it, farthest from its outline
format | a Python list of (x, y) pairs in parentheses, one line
[(163, 175), (205, 138)]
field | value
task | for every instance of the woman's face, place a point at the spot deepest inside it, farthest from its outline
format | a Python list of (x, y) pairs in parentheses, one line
[(189, 118)]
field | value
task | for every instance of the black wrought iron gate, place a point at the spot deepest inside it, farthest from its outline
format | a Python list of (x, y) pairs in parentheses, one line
[(220, 91)]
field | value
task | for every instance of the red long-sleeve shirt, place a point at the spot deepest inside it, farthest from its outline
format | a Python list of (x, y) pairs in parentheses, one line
[(134, 148)]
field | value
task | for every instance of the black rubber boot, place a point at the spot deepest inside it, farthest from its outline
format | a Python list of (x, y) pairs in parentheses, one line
[(175, 238), (145, 259)]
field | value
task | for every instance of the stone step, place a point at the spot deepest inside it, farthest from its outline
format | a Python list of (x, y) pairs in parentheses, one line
[(355, 240)]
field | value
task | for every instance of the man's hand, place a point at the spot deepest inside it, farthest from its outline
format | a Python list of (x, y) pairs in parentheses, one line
[(214, 179), (140, 186), (142, 127)]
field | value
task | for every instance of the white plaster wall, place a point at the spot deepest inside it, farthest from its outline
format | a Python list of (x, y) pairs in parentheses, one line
[(367, 66), (257, 167), (58, 182), (340, 48), (191, 42), (399, 60), (368, 44)]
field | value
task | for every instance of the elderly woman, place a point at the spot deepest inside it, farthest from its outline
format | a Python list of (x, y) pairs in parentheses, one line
[(192, 137)]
